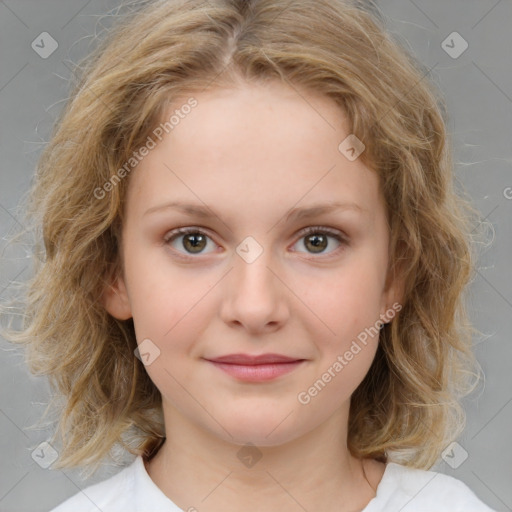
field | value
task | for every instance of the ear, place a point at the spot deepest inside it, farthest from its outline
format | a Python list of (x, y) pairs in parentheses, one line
[(392, 298), (115, 298)]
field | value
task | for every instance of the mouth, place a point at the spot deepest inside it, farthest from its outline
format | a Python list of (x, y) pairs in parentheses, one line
[(260, 368)]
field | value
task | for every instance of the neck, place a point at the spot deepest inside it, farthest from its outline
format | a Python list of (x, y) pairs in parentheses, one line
[(196, 469)]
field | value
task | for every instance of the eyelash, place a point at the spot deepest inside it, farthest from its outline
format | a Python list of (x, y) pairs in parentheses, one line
[(172, 235)]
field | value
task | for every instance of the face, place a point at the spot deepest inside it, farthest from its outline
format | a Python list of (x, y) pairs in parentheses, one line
[(249, 278)]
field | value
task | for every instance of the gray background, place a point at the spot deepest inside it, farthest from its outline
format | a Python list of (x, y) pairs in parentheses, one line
[(478, 90)]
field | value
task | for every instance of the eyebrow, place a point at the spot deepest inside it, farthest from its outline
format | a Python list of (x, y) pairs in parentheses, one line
[(294, 213)]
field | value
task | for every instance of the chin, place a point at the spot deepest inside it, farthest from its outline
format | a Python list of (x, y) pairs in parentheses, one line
[(260, 429)]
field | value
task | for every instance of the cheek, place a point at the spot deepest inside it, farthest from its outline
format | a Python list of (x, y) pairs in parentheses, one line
[(348, 303), (349, 298), (166, 301)]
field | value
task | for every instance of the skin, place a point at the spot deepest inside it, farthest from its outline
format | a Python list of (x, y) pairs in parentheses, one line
[(251, 154)]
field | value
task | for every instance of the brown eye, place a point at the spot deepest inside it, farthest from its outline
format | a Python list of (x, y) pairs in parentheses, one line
[(316, 240), (193, 241)]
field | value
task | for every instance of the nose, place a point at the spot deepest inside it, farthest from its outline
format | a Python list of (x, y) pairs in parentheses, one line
[(254, 297)]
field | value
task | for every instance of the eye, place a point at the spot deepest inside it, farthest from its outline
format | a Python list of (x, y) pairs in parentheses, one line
[(194, 240), (315, 239)]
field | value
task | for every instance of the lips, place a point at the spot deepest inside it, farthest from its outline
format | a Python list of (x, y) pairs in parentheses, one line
[(250, 360), (256, 369)]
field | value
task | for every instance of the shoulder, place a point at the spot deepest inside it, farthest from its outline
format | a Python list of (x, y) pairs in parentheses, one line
[(112, 494), (411, 489), (130, 490)]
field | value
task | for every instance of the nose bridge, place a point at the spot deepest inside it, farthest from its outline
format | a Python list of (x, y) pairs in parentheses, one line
[(252, 267), (254, 296)]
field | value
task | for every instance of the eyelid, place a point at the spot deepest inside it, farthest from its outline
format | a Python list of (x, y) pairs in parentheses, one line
[(323, 229), (173, 233)]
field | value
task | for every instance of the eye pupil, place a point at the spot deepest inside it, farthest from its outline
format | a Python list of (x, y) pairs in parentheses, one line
[(316, 243), (197, 238)]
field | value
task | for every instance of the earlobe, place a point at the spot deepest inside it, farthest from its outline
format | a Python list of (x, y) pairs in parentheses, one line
[(115, 299)]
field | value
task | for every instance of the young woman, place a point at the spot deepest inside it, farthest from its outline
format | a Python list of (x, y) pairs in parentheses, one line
[(251, 266)]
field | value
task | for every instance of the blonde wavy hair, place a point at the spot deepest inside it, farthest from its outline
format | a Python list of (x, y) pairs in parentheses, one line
[(407, 408)]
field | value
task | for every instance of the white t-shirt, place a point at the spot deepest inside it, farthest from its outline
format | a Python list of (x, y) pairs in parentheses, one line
[(401, 489)]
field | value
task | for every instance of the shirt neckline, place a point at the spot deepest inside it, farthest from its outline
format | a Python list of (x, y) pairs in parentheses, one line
[(384, 487)]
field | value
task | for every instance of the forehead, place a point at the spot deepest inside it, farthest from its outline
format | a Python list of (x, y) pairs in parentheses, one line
[(253, 147)]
